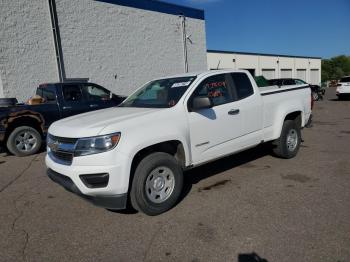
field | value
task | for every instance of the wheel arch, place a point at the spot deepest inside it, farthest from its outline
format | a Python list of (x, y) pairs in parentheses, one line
[(24, 120), (296, 115), (173, 147)]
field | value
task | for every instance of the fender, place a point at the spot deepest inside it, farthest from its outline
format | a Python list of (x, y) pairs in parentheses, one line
[(25, 113), (280, 120)]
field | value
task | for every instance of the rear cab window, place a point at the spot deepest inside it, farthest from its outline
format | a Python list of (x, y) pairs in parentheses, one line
[(300, 82), (242, 85)]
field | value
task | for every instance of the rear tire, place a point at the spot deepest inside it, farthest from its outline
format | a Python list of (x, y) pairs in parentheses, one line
[(287, 146), (24, 141), (157, 184)]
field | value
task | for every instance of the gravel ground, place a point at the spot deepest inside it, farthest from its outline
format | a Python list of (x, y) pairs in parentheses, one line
[(247, 207)]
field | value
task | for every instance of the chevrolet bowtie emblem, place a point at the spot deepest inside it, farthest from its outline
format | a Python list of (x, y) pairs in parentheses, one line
[(54, 146)]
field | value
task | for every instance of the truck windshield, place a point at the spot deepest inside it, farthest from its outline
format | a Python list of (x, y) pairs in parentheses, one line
[(162, 93)]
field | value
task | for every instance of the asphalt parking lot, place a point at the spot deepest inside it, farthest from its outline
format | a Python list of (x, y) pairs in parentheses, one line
[(247, 207)]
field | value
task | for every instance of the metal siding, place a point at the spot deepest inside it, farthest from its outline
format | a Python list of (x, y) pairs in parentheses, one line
[(314, 76), (286, 73), (269, 73), (301, 74)]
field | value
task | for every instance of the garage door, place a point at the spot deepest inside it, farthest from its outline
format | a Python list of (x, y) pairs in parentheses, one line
[(301, 74), (314, 76), (286, 73), (268, 73)]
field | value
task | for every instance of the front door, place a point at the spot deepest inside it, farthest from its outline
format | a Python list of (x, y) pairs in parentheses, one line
[(97, 97), (213, 130)]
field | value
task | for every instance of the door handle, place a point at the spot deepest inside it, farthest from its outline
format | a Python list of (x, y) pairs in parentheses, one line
[(233, 112), (93, 105), (67, 107)]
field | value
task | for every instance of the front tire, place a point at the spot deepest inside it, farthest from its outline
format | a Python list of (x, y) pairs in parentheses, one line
[(157, 184), (315, 96), (24, 141), (287, 146)]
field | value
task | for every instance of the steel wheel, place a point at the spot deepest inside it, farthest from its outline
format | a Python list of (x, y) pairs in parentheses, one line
[(160, 184), (292, 139)]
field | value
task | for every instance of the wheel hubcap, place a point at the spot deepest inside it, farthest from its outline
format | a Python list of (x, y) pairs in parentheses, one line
[(160, 184), (25, 141), (292, 140)]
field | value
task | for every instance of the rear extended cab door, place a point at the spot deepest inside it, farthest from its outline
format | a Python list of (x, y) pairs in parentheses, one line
[(72, 101), (49, 109), (250, 105)]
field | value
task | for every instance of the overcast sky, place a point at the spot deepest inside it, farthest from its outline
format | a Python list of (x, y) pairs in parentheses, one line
[(295, 27)]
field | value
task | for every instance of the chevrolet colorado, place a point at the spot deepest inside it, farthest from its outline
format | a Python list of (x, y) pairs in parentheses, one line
[(139, 150)]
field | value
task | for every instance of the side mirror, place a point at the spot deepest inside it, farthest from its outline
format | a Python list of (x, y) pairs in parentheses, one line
[(201, 102)]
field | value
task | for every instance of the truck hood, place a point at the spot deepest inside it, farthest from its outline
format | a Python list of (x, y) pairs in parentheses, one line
[(92, 123)]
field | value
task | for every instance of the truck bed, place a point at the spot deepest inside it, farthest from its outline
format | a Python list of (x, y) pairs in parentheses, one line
[(269, 89)]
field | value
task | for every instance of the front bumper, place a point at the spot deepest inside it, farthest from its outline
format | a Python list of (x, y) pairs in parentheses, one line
[(109, 201), (116, 165)]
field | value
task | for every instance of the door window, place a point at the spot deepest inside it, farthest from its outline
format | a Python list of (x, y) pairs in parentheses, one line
[(289, 82), (47, 94), (217, 88), (95, 93), (72, 93), (300, 82), (242, 85)]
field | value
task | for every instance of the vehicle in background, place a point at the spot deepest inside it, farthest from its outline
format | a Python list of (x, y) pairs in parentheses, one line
[(317, 91), (23, 126), (261, 81), (343, 87), (139, 150)]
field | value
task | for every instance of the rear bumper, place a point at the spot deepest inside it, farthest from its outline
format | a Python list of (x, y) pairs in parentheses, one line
[(110, 201)]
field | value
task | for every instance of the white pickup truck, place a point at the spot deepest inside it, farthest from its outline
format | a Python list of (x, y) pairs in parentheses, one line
[(136, 153)]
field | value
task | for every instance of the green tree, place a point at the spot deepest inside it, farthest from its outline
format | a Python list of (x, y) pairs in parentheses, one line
[(335, 67)]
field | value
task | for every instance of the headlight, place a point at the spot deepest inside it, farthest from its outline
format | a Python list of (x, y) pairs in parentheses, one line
[(95, 145)]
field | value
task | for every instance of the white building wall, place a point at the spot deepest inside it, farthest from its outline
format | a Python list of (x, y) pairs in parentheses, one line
[(268, 65), (123, 47), (27, 54), (1, 88), (116, 46)]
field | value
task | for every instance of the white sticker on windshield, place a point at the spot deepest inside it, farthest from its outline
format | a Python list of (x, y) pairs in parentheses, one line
[(180, 84)]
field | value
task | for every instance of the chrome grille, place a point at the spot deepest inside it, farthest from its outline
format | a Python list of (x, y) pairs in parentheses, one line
[(63, 156), (64, 140), (61, 149)]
